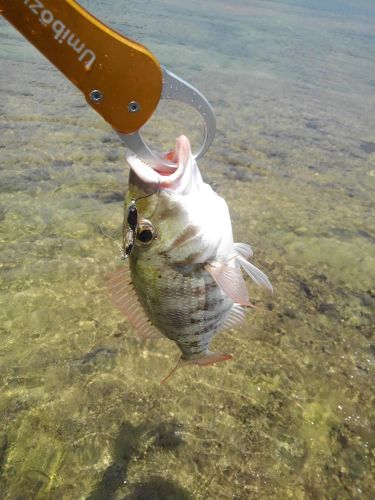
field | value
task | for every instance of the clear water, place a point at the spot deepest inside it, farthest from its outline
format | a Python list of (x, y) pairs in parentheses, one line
[(292, 416)]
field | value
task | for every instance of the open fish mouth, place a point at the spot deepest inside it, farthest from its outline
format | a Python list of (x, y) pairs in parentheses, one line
[(181, 167)]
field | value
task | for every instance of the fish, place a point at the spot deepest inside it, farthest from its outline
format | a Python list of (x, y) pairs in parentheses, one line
[(183, 274)]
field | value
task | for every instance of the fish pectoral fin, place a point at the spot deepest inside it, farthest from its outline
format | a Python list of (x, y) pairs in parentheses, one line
[(231, 281), (123, 295), (206, 360)]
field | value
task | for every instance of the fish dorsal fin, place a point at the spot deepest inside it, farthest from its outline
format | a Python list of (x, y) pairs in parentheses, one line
[(244, 249), (231, 281), (235, 317), (123, 295)]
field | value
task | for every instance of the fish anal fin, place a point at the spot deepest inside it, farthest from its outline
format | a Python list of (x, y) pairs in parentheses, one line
[(206, 360), (231, 281), (235, 317), (123, 295)]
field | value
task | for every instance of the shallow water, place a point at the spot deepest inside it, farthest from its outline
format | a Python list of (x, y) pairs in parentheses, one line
[(292, 416)]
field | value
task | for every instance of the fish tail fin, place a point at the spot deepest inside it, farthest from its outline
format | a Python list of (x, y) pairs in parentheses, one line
[(210, 359), (207, 359), (179, 364)]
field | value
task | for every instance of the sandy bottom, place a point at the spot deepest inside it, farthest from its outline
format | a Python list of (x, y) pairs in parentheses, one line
[(82, 412)]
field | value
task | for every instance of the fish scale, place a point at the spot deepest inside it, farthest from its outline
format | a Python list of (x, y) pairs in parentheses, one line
[(170, 295)]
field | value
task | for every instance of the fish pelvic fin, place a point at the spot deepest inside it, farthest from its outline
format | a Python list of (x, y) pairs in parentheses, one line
[(255, 274), (244, 249), (228, 275), (210, 358)]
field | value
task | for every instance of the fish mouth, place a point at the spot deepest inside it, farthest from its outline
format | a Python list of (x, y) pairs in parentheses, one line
[(165, 175)]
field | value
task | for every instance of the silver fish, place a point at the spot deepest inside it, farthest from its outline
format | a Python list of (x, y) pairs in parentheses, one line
[(184, 278)]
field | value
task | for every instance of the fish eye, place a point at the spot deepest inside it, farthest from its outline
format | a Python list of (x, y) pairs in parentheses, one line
[(146, 232), (145, 236)]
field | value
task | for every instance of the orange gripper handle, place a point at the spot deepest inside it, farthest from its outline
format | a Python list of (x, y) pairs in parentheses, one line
[(119, 78)]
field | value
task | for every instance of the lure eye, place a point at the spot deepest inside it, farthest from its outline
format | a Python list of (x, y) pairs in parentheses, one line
[(146, 232)]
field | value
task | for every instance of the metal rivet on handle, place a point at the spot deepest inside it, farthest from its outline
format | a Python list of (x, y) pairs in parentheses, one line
[(96, 95), (133, 107)]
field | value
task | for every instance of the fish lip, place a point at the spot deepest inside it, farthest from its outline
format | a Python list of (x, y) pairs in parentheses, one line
[(161, 174)]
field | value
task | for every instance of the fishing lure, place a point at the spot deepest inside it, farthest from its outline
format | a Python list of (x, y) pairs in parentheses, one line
[(133, 228)]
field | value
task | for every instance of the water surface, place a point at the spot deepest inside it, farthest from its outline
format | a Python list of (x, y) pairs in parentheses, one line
[(82, 411)]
